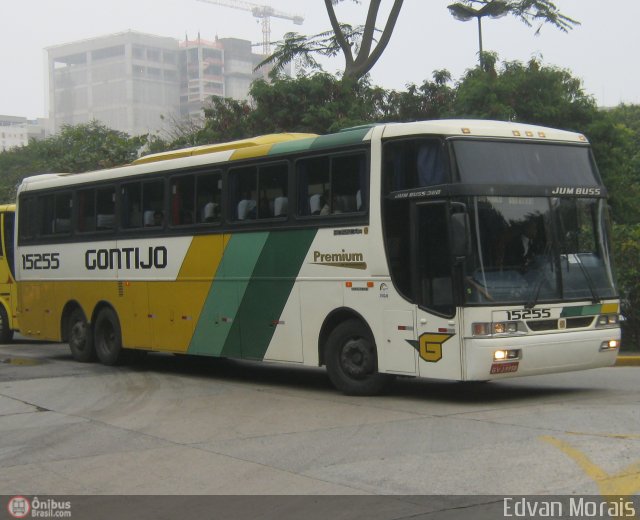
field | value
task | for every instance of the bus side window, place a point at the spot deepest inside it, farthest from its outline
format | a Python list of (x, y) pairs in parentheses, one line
[(348, 183), (272, 185), (55, 214), (332, 185), (28, 226), (244, 193), (182, 200), (131, 205), (105, 208), (413, 163), (153, 203), (86, 200), (209, 197), (143, 204), (314, 186)]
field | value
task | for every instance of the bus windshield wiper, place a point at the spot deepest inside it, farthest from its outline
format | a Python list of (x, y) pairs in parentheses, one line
[(587, 276), (531, 302)]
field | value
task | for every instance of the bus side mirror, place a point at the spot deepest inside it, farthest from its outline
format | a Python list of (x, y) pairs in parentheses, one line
[(460, 235)]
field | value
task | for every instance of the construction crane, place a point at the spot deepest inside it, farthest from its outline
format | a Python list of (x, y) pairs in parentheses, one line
[(264, 12)]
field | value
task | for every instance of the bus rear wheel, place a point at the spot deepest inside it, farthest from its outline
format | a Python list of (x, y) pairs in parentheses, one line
[(351, 360), (80, 337), (108, 337)]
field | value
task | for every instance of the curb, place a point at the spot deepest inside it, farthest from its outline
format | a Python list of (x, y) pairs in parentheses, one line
[(628, 361)]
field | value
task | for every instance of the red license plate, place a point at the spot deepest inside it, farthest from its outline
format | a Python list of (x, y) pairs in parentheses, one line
[(504, 368)]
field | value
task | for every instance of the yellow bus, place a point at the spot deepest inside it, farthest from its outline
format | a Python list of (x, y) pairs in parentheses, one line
[(8, 288), (459, 250)]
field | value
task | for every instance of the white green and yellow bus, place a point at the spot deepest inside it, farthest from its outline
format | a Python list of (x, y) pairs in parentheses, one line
[(461, 250)]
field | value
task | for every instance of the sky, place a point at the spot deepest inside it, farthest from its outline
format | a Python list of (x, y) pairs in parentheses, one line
[(427, 38)]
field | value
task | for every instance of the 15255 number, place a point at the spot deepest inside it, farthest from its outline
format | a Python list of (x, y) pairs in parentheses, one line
[(40, 261), (528, 314)]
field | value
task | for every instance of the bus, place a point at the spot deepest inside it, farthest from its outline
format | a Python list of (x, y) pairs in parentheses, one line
[(8, 288), (463, 250)]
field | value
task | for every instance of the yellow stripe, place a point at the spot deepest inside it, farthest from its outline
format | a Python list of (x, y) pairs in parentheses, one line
[(628, 361), (203, 258), (624, 482), (609, 308), (249, 153)]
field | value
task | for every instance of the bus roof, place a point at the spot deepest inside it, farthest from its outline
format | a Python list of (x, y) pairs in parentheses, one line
[(220, 147), (482, 128), (276, 144)]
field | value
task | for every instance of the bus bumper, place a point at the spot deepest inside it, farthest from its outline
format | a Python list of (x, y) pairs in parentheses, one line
[(539, 354)]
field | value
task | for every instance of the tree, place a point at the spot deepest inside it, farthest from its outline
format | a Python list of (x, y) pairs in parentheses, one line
[(626, 250), (430, 100), (529, 93), (361, 48), (89, 146), (320, 103), (527, 11), (75, 149), (359, 45)]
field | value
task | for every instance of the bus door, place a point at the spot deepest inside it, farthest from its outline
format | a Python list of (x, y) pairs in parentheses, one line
[(432, 270)]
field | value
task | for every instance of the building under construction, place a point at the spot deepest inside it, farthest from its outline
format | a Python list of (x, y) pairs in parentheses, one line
[(140, 83)]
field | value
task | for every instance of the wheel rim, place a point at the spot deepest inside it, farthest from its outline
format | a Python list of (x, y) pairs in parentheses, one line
[(107, 337), (356, 358), (78, 336)]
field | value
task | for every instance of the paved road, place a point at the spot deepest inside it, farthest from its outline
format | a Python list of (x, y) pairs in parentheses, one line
[(192, 426)]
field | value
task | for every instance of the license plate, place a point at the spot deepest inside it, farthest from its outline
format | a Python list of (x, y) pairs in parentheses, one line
[(504, 368)]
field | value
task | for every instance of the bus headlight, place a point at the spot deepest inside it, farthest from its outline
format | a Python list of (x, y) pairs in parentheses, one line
[(506, 355), (608, 320), (490, 329), (612, 344)]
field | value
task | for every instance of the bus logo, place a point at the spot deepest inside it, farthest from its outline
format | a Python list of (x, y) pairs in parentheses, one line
[(429, 345), (19, 507), (342, 259)]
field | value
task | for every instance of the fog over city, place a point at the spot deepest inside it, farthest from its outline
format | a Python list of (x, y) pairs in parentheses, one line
[(426, 38)]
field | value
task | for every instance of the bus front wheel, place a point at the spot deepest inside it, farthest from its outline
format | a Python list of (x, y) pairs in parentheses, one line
[(108, 337), (351, 360), (80, 338)]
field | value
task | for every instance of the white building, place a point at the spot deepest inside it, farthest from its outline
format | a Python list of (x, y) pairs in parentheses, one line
[(140, 83), (13, 132), (128, 81), (16, 131)]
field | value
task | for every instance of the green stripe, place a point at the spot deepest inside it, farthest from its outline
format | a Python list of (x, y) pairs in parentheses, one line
[(585, 310), (215, 330), (344, 138), (299, 145), (271, 283)]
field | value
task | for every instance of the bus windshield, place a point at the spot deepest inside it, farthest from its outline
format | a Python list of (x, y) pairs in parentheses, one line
[(526, 163), (535, 249)]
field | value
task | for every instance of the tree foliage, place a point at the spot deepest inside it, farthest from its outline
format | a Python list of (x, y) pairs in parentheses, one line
[(626, 241), (75, 149), (529, 93), (362, 46), (530, 12), (359, 45)]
